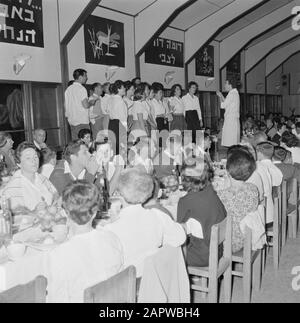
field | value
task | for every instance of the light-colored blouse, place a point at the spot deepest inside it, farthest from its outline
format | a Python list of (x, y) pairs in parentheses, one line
[(192, 103), (23, 193), (177, 104), (139, 108)]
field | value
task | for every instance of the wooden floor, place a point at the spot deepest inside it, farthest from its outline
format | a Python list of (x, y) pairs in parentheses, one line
[(276, 286)]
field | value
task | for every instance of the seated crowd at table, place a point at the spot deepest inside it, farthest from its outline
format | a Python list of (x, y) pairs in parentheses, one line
[(125, 196)]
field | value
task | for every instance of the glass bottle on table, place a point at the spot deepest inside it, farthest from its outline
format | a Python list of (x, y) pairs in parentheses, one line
[(5, 220)]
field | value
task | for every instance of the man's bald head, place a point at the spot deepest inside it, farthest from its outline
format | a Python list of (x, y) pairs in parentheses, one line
[(39, 135)]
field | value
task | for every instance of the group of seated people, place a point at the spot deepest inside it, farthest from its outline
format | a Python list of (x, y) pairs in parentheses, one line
[(279, 129), (135, 176)]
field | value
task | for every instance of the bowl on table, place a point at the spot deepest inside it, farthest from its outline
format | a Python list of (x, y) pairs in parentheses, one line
[(15, 250)]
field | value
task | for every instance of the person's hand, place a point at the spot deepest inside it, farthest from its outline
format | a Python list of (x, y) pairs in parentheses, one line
[(219, 94)]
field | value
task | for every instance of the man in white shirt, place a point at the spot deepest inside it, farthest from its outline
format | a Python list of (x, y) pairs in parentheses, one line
[(192, 109), (265, 152), (270, 175), (142, 232), (77, 104), (77, 165), (89, 256), (39, 137)]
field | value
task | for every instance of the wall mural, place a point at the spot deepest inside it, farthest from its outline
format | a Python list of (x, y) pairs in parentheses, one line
[(233, 69), (104, 41), (164, 51), (21, 22), (205, 61)]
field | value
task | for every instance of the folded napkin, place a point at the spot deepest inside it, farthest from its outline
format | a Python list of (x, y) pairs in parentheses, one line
[(254, 222)]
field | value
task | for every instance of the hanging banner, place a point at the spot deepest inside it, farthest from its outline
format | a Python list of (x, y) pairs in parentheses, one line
[(104, 41), (205, 62), (233, 68), (165, 52), (21, 22)]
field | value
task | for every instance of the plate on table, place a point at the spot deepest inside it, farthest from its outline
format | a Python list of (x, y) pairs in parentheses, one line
[(22, 222), (37, 239)]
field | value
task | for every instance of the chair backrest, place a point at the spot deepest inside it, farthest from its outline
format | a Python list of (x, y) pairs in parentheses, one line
[(292, 188), (247, 250), (120, 288), (32, 292), (221, 233), (276, 220)]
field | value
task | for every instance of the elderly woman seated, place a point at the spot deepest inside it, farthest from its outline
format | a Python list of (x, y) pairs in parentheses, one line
[(27, 188), (201, 205), (240, 198), (142, 232), (89, 256)]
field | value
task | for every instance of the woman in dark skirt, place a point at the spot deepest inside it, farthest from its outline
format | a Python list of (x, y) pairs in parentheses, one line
[(193, 114), (201, 205), (177, 109), (118, 114), (159, 107)]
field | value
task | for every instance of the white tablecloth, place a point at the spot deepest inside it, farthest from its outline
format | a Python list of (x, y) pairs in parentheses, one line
[(32, 264)]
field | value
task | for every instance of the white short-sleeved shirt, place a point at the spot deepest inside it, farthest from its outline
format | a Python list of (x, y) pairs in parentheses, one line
[(118, 109), (158, 108), (142, 232), (139, 108), (104, 103), (75, 112), (81, 262), (178, 105), (192, 103)]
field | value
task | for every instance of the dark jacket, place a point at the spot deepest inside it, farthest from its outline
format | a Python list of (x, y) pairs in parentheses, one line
[(60, 180), (205, 207)]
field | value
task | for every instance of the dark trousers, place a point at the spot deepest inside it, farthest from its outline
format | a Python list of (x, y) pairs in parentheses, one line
[(120, 134), (161, 125), (193, 123)]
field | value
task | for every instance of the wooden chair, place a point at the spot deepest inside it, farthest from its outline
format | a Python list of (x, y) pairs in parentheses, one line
[(251, 262), (32, 292), (220, 234), (285, 194), (120, 288), (292, 208), (274, 233)]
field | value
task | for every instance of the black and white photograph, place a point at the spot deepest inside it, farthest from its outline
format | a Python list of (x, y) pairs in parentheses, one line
[(149, 157), (104, 41)]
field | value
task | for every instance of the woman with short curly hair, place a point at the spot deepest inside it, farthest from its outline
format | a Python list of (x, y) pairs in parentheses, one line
[(142, 232), (89, 256), (27, 188), (201, 205)]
